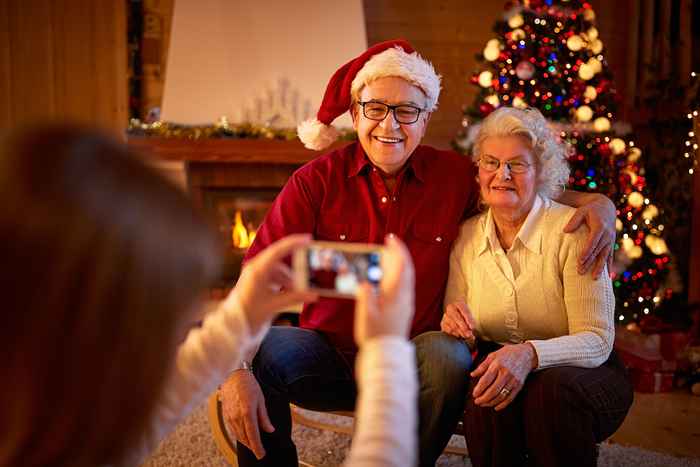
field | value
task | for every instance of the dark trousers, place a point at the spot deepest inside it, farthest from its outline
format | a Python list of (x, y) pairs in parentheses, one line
[(557, 419), (300, 366)]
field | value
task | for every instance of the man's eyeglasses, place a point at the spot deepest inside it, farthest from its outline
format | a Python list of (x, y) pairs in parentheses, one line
[(491, 164), (403, 113)]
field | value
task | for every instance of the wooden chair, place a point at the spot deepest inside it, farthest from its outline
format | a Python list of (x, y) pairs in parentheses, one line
[(227, 445)]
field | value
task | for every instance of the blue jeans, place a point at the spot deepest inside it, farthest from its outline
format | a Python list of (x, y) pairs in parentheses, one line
[(300, 366)]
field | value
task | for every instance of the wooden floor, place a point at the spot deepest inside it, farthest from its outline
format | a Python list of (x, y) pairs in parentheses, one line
[(666, 422)]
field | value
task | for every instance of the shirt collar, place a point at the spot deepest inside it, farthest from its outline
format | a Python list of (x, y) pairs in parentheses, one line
[(530, 233), (359, 160)]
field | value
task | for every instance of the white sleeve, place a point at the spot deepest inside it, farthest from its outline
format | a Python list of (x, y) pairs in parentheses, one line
[(457, 288), (203, 361), (590, 308), (386, 428)]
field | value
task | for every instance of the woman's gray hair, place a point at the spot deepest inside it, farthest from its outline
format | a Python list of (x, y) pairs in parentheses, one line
[(549, 151)]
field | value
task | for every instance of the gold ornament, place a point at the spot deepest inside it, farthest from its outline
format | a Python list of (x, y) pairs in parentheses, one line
[(635, 199), (519, 103), (650, 212), (590, 93), (485, 79), (584, 113), (617, 146), (491, 53), (601, 124), (596, 46), (595, 64), (517, 34), (657, 245), (592, 33), (618, 224), (586, 72), (493, 100), (575, 43), (634, 155), (516, 21)]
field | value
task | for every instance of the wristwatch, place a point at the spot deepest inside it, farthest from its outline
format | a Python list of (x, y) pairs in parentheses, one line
[(244, 365)]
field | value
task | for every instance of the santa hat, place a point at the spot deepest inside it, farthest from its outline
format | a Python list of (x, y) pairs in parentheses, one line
[(390, 58)]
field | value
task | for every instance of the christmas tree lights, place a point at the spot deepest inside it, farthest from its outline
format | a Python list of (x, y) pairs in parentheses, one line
[(548, 55)]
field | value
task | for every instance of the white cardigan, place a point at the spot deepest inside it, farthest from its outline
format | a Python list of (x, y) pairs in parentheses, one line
[(386, 418), (534, 292)]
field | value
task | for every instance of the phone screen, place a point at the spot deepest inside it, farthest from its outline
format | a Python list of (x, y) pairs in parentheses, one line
[(341, 272)]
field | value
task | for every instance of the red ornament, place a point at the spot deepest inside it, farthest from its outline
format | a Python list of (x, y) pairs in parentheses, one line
[(604, 150), (485, 108)]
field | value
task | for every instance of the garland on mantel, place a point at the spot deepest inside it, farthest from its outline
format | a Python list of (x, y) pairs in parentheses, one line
[(219, 130)]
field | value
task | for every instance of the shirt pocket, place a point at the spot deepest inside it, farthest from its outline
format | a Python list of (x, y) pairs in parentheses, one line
[(434, 235), (343, 232)]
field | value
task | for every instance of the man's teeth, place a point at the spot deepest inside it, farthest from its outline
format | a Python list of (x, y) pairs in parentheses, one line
[(388, 140), (502, 188)]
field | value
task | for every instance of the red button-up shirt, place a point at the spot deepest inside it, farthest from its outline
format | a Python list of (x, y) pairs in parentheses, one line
[(341, 196)]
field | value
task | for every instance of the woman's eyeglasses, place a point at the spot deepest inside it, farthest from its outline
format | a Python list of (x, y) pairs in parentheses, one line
[(491, 164)]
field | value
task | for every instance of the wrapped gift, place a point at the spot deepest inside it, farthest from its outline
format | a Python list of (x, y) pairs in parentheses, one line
[(651, 381), (649, 352)]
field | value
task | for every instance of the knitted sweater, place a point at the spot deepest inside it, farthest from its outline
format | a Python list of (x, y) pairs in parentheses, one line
[(386, 425), (533, 291)]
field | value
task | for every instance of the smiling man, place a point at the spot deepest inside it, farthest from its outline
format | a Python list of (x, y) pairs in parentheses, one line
[(384, 184)]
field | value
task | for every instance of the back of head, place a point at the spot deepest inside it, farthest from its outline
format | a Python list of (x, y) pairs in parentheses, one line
[(101, 257)]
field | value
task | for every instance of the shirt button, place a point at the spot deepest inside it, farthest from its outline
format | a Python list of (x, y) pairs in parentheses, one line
[(394, 198), (384, 199), (391, 235), (342, 236), (438, 239)]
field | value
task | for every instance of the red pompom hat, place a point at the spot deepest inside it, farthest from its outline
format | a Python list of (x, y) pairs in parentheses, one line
[(390, 58)]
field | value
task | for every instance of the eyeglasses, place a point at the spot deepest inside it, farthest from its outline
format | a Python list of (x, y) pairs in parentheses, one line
[(403, 113), (491, 164)]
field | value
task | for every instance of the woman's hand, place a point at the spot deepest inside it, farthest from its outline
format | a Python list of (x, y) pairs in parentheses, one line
[(502, 375), (266, 284), (458, 321), (391, 311)]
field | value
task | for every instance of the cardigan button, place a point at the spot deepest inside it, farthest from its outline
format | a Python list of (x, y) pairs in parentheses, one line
[(342, 236)]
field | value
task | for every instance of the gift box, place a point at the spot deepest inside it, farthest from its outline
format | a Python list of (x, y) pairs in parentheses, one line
[(651, 381), (647, 352)]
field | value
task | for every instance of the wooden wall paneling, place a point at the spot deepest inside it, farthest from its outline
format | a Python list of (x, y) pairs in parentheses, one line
[(31, 60), (77, 71), (5, 68), (109, 55)]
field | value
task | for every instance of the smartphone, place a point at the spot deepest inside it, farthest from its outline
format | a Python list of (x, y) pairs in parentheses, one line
[(336, 269)]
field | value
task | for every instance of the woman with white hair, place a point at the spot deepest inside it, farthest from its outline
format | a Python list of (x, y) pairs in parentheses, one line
[(547, 385)]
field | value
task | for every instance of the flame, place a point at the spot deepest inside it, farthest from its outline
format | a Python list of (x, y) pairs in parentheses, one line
[(242, 237)]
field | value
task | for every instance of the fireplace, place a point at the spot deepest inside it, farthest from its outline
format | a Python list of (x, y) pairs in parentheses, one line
[(233, 181), (237, 214)]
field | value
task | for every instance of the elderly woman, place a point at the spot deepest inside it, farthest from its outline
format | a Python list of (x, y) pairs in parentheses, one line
[(547, 385)]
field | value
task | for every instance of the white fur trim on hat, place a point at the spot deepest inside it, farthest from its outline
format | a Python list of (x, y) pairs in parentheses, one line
[(316, 135), (395, 62)]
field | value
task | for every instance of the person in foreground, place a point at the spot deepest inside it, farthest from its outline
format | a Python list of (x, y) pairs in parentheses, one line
[(104, 265), (547, 384), (386, 183)]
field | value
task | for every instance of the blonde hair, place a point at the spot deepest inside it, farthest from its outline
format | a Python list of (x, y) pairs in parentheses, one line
[(549, 151)]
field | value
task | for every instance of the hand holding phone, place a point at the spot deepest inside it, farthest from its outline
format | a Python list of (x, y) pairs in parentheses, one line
[(336, 269), (388, 311)]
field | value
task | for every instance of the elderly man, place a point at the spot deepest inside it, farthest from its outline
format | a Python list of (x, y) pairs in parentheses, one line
[(385, 184)]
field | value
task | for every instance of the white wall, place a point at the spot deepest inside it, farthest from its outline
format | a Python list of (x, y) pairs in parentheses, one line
[(252, 60)]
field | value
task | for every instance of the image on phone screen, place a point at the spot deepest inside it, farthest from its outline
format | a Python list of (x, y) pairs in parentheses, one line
[(342, 271)]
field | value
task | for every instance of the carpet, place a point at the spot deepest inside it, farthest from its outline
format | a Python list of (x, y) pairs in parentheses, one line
[(191, 445)]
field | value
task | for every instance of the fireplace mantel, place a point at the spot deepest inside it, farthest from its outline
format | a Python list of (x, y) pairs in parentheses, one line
[(234, 151)]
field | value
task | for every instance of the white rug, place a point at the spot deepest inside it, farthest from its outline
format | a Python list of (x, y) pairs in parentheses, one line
[(192, 445)]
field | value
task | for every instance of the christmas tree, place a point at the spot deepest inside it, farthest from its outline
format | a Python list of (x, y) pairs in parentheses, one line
[(547, 55)]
